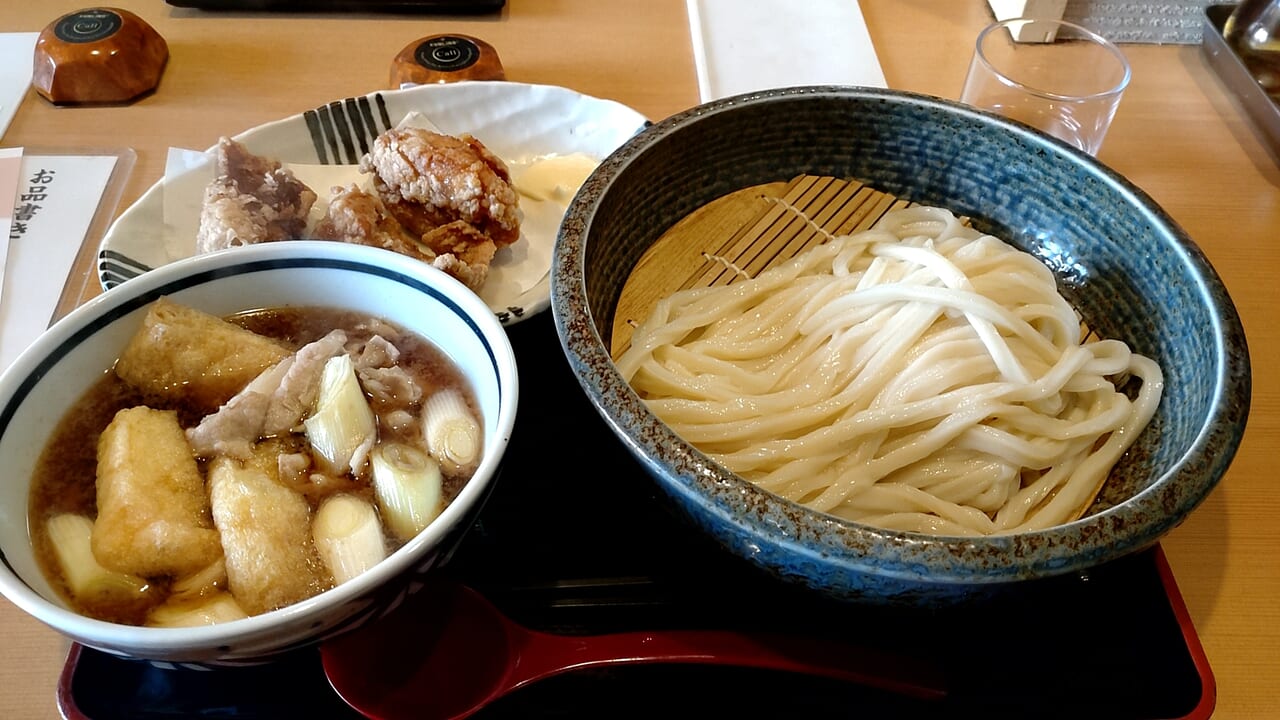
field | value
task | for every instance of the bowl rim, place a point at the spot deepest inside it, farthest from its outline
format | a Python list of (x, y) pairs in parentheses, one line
[(680, 469), (98, 313)]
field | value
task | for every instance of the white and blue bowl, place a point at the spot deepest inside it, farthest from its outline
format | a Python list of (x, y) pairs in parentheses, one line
[(60, 366), (1119, 258)]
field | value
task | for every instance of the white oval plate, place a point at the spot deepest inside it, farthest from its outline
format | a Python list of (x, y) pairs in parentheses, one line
[(517, 121)]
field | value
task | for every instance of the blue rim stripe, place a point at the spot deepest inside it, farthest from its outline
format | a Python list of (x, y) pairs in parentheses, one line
[(127, 306)]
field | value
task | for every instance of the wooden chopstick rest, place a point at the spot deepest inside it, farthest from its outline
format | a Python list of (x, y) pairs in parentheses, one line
[(98, 55), (444, 59)]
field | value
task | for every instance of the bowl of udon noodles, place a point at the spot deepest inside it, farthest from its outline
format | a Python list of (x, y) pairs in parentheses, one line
[(896, 349), (249, 452)]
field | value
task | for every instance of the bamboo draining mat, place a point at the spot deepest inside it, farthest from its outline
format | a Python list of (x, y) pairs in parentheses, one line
[(749, 230), (746, 232)]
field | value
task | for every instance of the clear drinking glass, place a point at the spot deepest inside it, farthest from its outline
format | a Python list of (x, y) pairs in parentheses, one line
[(1059, 77)]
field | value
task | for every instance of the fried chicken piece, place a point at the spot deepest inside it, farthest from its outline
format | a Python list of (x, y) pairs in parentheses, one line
[(252, 199), (356, 216), (463, 252), (427, 180), (360, 217), (458, 238)]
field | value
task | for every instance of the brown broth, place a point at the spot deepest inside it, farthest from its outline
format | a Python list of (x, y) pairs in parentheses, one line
[(65, 471)]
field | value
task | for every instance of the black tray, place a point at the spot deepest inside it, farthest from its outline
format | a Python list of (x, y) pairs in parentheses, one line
[(439, 7), (575, 539)]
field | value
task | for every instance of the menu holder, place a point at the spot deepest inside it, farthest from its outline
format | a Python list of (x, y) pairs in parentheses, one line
[(81, 279)]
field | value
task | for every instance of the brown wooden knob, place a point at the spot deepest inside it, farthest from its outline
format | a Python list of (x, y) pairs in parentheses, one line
[(444, 59), (98, 55)]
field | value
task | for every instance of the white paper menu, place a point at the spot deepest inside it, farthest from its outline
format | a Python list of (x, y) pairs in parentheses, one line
[(55, 200), (10, 170)]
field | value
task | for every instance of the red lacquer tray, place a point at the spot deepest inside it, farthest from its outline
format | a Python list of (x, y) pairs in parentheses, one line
[(573, 544)]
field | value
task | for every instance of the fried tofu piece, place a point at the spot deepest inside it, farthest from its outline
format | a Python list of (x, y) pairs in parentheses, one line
[(266, 536), (181, 354), (153, 514)]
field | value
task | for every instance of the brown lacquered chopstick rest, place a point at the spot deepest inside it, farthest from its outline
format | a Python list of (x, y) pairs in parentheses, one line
[(446, 58), (98, 55)]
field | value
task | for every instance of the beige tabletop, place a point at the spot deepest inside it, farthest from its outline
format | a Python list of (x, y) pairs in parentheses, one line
[(1178, 136)]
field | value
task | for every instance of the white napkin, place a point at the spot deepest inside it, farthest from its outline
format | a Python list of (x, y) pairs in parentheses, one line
[(17, 54), (746, 45)]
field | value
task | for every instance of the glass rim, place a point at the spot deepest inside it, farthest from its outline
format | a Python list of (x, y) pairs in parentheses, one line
[(1084, 33)]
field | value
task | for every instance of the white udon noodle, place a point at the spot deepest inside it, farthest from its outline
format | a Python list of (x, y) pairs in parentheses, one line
[(917, 376)]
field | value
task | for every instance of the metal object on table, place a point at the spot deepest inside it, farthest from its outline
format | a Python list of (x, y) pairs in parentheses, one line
[(1259, 106), (1252, 30)]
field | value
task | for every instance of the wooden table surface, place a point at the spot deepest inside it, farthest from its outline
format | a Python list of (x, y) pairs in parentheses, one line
[(1178, 135)]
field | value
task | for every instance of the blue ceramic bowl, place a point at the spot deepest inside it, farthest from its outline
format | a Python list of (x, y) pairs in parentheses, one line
[(1120, 259)]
